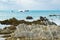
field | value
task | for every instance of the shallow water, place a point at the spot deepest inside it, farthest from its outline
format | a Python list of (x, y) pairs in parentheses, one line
[(1, 38)]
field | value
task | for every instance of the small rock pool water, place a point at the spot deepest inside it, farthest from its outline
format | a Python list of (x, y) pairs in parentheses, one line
[(1, 38)]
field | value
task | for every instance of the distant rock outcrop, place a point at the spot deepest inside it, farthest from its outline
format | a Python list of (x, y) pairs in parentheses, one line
[(29, 17), (15, 22), (12, 21)]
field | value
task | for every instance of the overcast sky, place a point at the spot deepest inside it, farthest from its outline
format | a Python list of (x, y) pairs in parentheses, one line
[(30, 4)]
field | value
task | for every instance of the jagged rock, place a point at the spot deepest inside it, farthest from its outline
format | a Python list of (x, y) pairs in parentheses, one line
[(37, 31)]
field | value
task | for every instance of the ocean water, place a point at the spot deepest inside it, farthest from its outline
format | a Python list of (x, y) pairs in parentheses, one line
[(7, 14)]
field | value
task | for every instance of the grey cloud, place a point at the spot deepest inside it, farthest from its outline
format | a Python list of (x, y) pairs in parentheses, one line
[(30, 4)]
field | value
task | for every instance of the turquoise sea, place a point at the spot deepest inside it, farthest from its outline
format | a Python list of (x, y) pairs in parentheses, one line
[(7, 14)]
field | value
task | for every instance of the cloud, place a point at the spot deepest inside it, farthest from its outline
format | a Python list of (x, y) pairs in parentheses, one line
[(30, 4)]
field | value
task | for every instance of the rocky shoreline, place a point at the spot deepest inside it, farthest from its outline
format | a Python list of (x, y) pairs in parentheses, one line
[(42, 29), (36, 32)]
